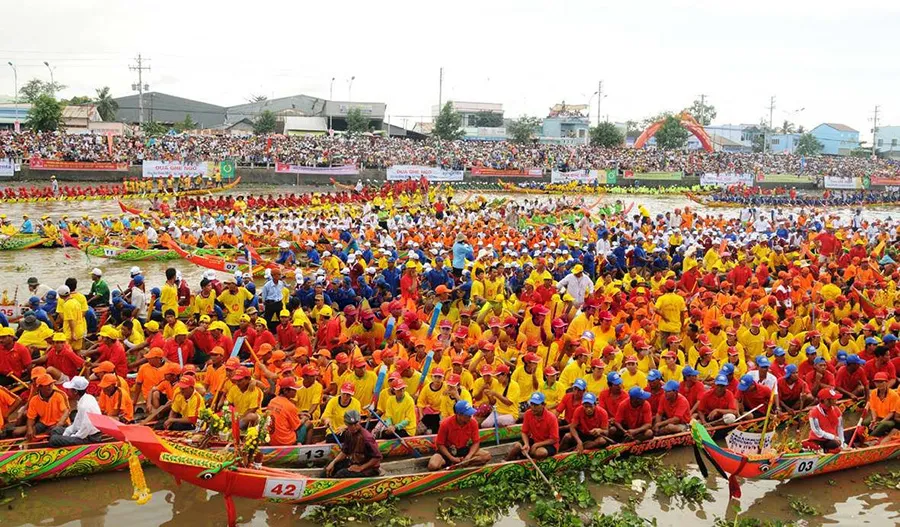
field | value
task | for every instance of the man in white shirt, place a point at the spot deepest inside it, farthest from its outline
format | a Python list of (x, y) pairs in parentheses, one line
[(81, 431), (576, 284), (139, 299)]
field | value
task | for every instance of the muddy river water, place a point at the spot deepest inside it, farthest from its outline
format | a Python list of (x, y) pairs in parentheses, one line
[(104, 500)]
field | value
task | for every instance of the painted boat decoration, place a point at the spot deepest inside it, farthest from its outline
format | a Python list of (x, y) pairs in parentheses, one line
[(147, 195), (198, 192), (20, 242), (789, 465), (20, 463), (133, 254)]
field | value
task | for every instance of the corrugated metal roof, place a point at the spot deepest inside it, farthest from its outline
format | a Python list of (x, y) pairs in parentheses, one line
[(840, 127)]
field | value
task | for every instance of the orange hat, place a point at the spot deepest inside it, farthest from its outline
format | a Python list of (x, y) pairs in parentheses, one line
[(45, 380), (155, 353), (264, 349), (189, 369), (170, 368), (105, 367), (109, 379), (217, 351), (324, 353), (359, 362), (277, 355), (232, 363), (301, 351)]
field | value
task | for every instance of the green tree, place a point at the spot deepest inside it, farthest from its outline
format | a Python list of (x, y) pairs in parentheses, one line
[(808, 145), (488, 119), (257, 98), (106, 105), (357, 123), (45, 114), (34, 88), (702, 112), (787, 127), (522, 129), (153, 128), (264, 123), (606, 135), (78, 100), (671, 135), (448, 125), (187, 124), (632, 129)]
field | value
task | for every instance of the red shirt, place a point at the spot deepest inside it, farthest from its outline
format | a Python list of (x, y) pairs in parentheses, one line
[(693, 393), (567, 407), (249, 336), (203, 341), (541, 429), (828, 421), (187, 351), (827, 379), (777, 369), (654, 399), (753, 398), (585, 423), (452, 434), (264, 337), (630, 417), (66, 361), (14, 360), (116, 355), (609, 402), (680, 408), (872, 368), (711, 401), (287, 335), (849, 381), (791, 392)]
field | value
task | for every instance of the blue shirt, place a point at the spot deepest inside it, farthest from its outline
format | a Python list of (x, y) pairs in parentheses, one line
[(27, 227), (462, 252), (272, 291)]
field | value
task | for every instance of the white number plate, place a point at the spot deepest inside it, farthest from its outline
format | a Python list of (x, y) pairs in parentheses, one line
[(804, 467), (229, 266), (286, 489)]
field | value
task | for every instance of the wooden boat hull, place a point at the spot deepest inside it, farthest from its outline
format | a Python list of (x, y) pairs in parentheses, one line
[(148, 195), (38, 464), (133, 254), (24, 241), (784, 466)]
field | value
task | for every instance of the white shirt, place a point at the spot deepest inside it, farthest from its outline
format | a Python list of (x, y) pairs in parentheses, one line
[(139, 301), (81, 427), (575, 286), (770, 381)]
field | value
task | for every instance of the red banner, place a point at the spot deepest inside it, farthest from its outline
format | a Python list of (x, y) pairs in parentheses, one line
[(886, 181), (529, 172), (53, 164)]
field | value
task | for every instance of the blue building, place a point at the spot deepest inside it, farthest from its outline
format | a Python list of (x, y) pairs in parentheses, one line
[(783, 143), (837, 139), (566, 124), (888, 141)]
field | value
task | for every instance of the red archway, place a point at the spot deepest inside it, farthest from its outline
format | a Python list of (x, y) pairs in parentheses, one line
[(688, 122)]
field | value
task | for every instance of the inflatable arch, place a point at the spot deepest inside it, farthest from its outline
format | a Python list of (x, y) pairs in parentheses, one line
[(688, 122)]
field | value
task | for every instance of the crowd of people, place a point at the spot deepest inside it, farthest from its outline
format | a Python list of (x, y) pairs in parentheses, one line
[(420, 315), (380, 153)]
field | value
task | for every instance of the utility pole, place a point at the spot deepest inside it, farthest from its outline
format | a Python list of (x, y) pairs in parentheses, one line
[(139, 68), (599, 100), (771, 114), (440, 89), (874, 129)]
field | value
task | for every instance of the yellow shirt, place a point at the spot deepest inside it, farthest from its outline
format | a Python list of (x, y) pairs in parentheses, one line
[(189, 408), (365, 386), (169, 298), (709, 371), (479, 385), (671, 375), (429, 398), (525, 381), (754, 345), (244, 401), (670, 306), (639, 379), (234, 305), (169, 331), (334, 412), (396, 412), (448, 403), (74, 325), (308, 399), (204, 305), (571, 372), (553, 394), (594, 385), (512, 393)]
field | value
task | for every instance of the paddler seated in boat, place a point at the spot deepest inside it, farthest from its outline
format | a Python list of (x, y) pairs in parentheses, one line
[(673, 414), (884, 407), (851, 379), (754, 396), (826, 425), (307, 399), (571, 401), (245, 397), (540, 431), (428, 403), (399, 416), (458, 441), (589, 427), (287, 424), (163, 393), (338, 407), (359, 456), (502, 396), (114, 400), (47, 409), (9, 405), (81, 431), (634, 418), (717, 404), (185, 407)]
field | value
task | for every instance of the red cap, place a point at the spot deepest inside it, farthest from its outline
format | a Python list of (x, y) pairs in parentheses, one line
[(186, 382), (453, 380), (287, 383), (502, 368), (539, 310), (486, 370), (437, 372), (360, 362), (630, 358), (670, 284), (828, 393), (606, 315), (240, 373), (342, 358), (880, 376), (531, 357), (402, 365), (598, 363), (550, 370), (348, 387), (310, 371)]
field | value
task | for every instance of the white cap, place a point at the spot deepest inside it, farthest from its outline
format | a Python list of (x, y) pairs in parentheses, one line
[(283, 244), (63, 290), (96, 271), (209, 275), (77, 383), (135, 270)]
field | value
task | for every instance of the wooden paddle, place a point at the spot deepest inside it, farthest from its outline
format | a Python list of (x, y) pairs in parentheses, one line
[(543, 477), (404, 443)]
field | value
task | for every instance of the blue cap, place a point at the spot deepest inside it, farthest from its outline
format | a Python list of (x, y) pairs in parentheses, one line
[(810, 350), (118, 300), (537, 398), (791, 368), (589, 398), (51, 294), (855, 359), (463, 407), (155, 291), (588, 335), (116, 292), (671, 386), (871, 340), (819, 360), (138, 279), (762, 362), (727, 369), (34, 300), (580, 384), (842, 355), (721, 380), (779, 351), (689, 372), (654, 375), (614, 378), (746, 382), (890, 337), (638, 393)]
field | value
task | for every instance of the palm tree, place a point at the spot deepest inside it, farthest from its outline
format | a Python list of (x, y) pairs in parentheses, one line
[(787, 127), (106, 105)]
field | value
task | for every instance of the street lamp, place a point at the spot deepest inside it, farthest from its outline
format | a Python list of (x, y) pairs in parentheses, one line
[(350, 89), (330, 98), (52, 82), (16, 94)]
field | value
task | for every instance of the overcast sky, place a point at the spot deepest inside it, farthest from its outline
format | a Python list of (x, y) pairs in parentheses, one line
[(835, 59)]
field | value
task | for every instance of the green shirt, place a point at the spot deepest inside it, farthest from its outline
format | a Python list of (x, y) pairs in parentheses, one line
[(101, 290)]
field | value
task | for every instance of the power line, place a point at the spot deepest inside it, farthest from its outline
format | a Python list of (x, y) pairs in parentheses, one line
[(140, 85)]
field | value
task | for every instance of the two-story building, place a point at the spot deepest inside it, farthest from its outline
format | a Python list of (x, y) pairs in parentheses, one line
[(837, 139), (887, 141), (481, 121), (566, 124)]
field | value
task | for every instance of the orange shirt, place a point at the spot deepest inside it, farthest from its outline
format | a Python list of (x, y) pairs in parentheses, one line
[(50, 411), (6, 401), (149, 377), (116, 405), (285, 421), (215, 378)]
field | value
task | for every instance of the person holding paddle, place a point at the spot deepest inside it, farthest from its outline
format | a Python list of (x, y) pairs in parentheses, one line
[(458, 441), (540, 432)]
